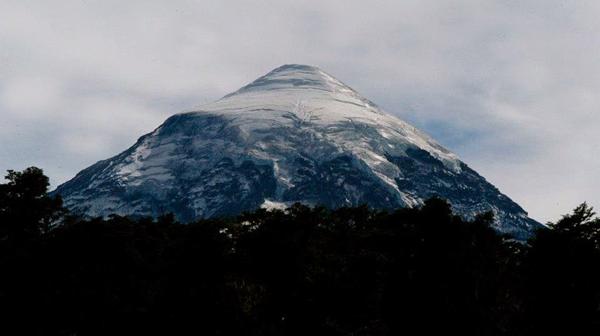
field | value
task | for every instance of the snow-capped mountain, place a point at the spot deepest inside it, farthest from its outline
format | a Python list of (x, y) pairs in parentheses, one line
[(294, 135)]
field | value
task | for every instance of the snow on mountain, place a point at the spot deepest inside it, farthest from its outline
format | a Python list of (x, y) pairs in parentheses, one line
[(294, 135)]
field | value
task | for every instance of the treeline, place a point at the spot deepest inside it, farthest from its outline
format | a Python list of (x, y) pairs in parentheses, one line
[(303, 271)]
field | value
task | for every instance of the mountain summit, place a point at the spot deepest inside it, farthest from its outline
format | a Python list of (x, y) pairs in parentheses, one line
[(296, 134)]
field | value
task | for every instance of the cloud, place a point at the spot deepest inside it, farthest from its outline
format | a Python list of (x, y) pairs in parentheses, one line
[(511, 86)]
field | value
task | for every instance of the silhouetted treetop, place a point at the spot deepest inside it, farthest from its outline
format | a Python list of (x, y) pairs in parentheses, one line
[(25, 208), (298, 271)]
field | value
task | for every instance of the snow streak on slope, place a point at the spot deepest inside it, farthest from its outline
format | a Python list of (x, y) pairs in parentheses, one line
[(294, 135)]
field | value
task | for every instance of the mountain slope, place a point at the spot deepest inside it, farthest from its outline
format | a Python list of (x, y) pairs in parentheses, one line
[(294, 135)]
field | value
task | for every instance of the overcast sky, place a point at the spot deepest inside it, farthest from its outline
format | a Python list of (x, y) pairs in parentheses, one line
[(513, 87)]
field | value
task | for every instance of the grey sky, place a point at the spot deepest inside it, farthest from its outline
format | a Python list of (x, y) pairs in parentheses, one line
[(511, 86)]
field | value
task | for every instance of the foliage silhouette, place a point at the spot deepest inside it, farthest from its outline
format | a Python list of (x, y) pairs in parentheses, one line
[(349, 271), (26, 211)]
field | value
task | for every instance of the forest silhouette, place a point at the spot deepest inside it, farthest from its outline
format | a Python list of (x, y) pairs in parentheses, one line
[(302, 271)]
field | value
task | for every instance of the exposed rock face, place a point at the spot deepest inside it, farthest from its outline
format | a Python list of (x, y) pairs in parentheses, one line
[(294, 135)]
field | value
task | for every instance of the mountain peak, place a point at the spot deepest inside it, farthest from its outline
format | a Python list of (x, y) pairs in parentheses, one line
[(297, 71), (296, 76), (296, 134), (297, 67)]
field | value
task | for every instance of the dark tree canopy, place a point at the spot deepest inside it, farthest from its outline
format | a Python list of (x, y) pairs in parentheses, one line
[(302, 271), (26, 210), (562, 268)]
